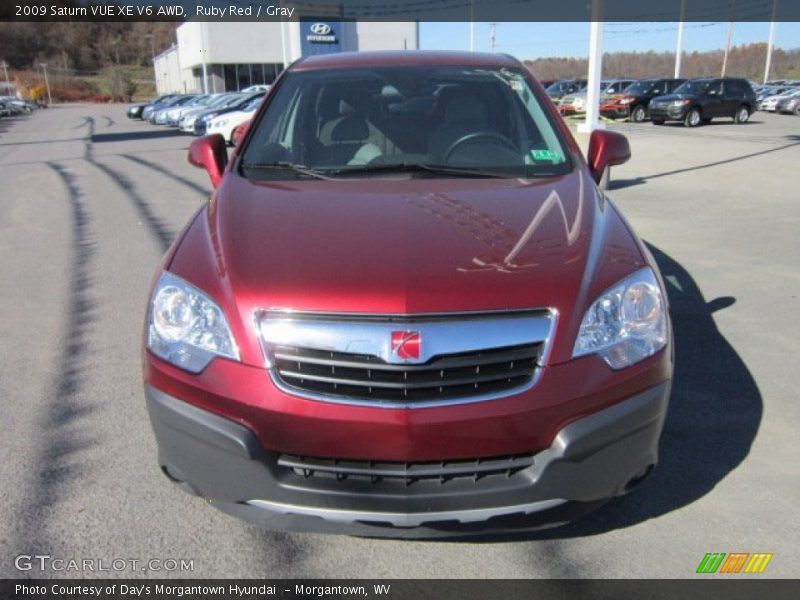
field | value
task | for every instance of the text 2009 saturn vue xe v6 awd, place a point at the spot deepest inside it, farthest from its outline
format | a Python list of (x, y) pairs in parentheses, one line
[(408, 309)]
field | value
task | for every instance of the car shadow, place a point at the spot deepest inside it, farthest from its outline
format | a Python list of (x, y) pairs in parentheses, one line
[(618, 184), (718, 121), (713, 418), (132, 136)]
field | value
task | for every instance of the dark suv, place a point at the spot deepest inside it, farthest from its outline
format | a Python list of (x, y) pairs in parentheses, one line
[(700, 100), (634, 101)]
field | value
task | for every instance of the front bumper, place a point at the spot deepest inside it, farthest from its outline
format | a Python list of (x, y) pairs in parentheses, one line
[(668, 113), (615, 111), (590, 460)]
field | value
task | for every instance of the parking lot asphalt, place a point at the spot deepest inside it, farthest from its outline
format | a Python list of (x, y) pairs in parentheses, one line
[(90, 201)]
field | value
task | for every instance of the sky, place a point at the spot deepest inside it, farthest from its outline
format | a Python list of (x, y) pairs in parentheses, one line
[(534, 40)]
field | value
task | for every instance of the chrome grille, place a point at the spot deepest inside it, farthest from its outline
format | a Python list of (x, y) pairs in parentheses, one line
[(367, 377), (405, 473), (354, 359)]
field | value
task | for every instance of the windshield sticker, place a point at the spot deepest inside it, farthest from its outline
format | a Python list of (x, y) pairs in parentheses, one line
[(544, 155)]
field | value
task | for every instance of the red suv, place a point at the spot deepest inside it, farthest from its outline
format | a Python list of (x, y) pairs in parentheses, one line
[(407, 309)]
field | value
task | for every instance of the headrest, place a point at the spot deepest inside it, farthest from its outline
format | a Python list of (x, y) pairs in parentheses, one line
[(350, 129), (465, 109)]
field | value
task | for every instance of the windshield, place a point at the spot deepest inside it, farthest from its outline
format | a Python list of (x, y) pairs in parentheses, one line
[(234, 100), (346, 121), (253, 104), (639, 87), (219, 101), (692, 87)]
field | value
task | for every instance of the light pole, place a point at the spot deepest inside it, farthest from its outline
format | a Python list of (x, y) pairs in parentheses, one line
[(592, 120), (730, 35), (203, 56), (472, 26), (771, 41), (46, 83), (679, 49), (5, 70)]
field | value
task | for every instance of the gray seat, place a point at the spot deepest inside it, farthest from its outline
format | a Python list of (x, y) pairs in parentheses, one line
[(350, 139)]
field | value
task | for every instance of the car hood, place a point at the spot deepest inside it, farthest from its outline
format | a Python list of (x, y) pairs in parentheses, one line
[(193, 112), (233, 116), (406, 246), (673, 97)]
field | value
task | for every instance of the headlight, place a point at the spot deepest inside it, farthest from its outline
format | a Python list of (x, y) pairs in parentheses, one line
[(683, 102), (185, 327), (220, 123), (626, 101), (627, 323)]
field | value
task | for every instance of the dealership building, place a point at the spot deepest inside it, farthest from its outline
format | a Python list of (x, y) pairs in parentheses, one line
[(229, 56)]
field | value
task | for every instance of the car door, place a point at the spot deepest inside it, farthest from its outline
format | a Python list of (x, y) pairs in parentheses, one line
[(733, 95), (714, 102), (659, 88)]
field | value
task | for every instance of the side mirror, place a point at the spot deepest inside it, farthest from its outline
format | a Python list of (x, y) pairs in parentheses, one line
[(209, 153), (606, 148)]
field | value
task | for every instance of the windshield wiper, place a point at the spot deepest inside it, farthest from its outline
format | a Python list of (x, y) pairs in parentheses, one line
[(287, 166), (416, 167)]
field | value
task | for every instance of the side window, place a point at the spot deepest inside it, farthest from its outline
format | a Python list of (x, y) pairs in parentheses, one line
[(715, 89), (658, 88)]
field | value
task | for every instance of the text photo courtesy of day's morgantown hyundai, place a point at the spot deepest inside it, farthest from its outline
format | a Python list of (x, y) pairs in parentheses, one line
[(365, 298)]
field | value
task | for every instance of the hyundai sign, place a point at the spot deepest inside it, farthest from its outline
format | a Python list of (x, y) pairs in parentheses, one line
[(317, 37)]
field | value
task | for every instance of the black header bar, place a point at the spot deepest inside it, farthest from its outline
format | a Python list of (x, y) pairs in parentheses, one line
[(401, 10)]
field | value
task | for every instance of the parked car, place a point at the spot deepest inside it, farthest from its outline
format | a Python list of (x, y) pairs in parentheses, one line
[(561, 88), (634, 101), (225, 123), (149, 110), (176, 113), (770, 103), (427, 327), (14, 106), (257, 88), (766, 91), (235, 104), (159, 116), (701, 100), (135, 110), (576, 103), (186, 124), (790, 104)]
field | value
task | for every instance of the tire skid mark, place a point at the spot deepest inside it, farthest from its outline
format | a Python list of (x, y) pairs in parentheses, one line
[(166, 172), (63, 427), (163, 234), (160, 231)]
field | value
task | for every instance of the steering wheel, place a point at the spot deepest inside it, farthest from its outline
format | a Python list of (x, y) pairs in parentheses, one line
[(494, 137)]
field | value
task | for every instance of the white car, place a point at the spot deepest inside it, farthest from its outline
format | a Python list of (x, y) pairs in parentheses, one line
[(770, 103), (227, 122), (257, 88), (186, 124)]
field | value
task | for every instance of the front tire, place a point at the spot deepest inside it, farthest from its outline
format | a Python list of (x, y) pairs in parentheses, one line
[(638, 114), (742, 115), (693, 118)]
